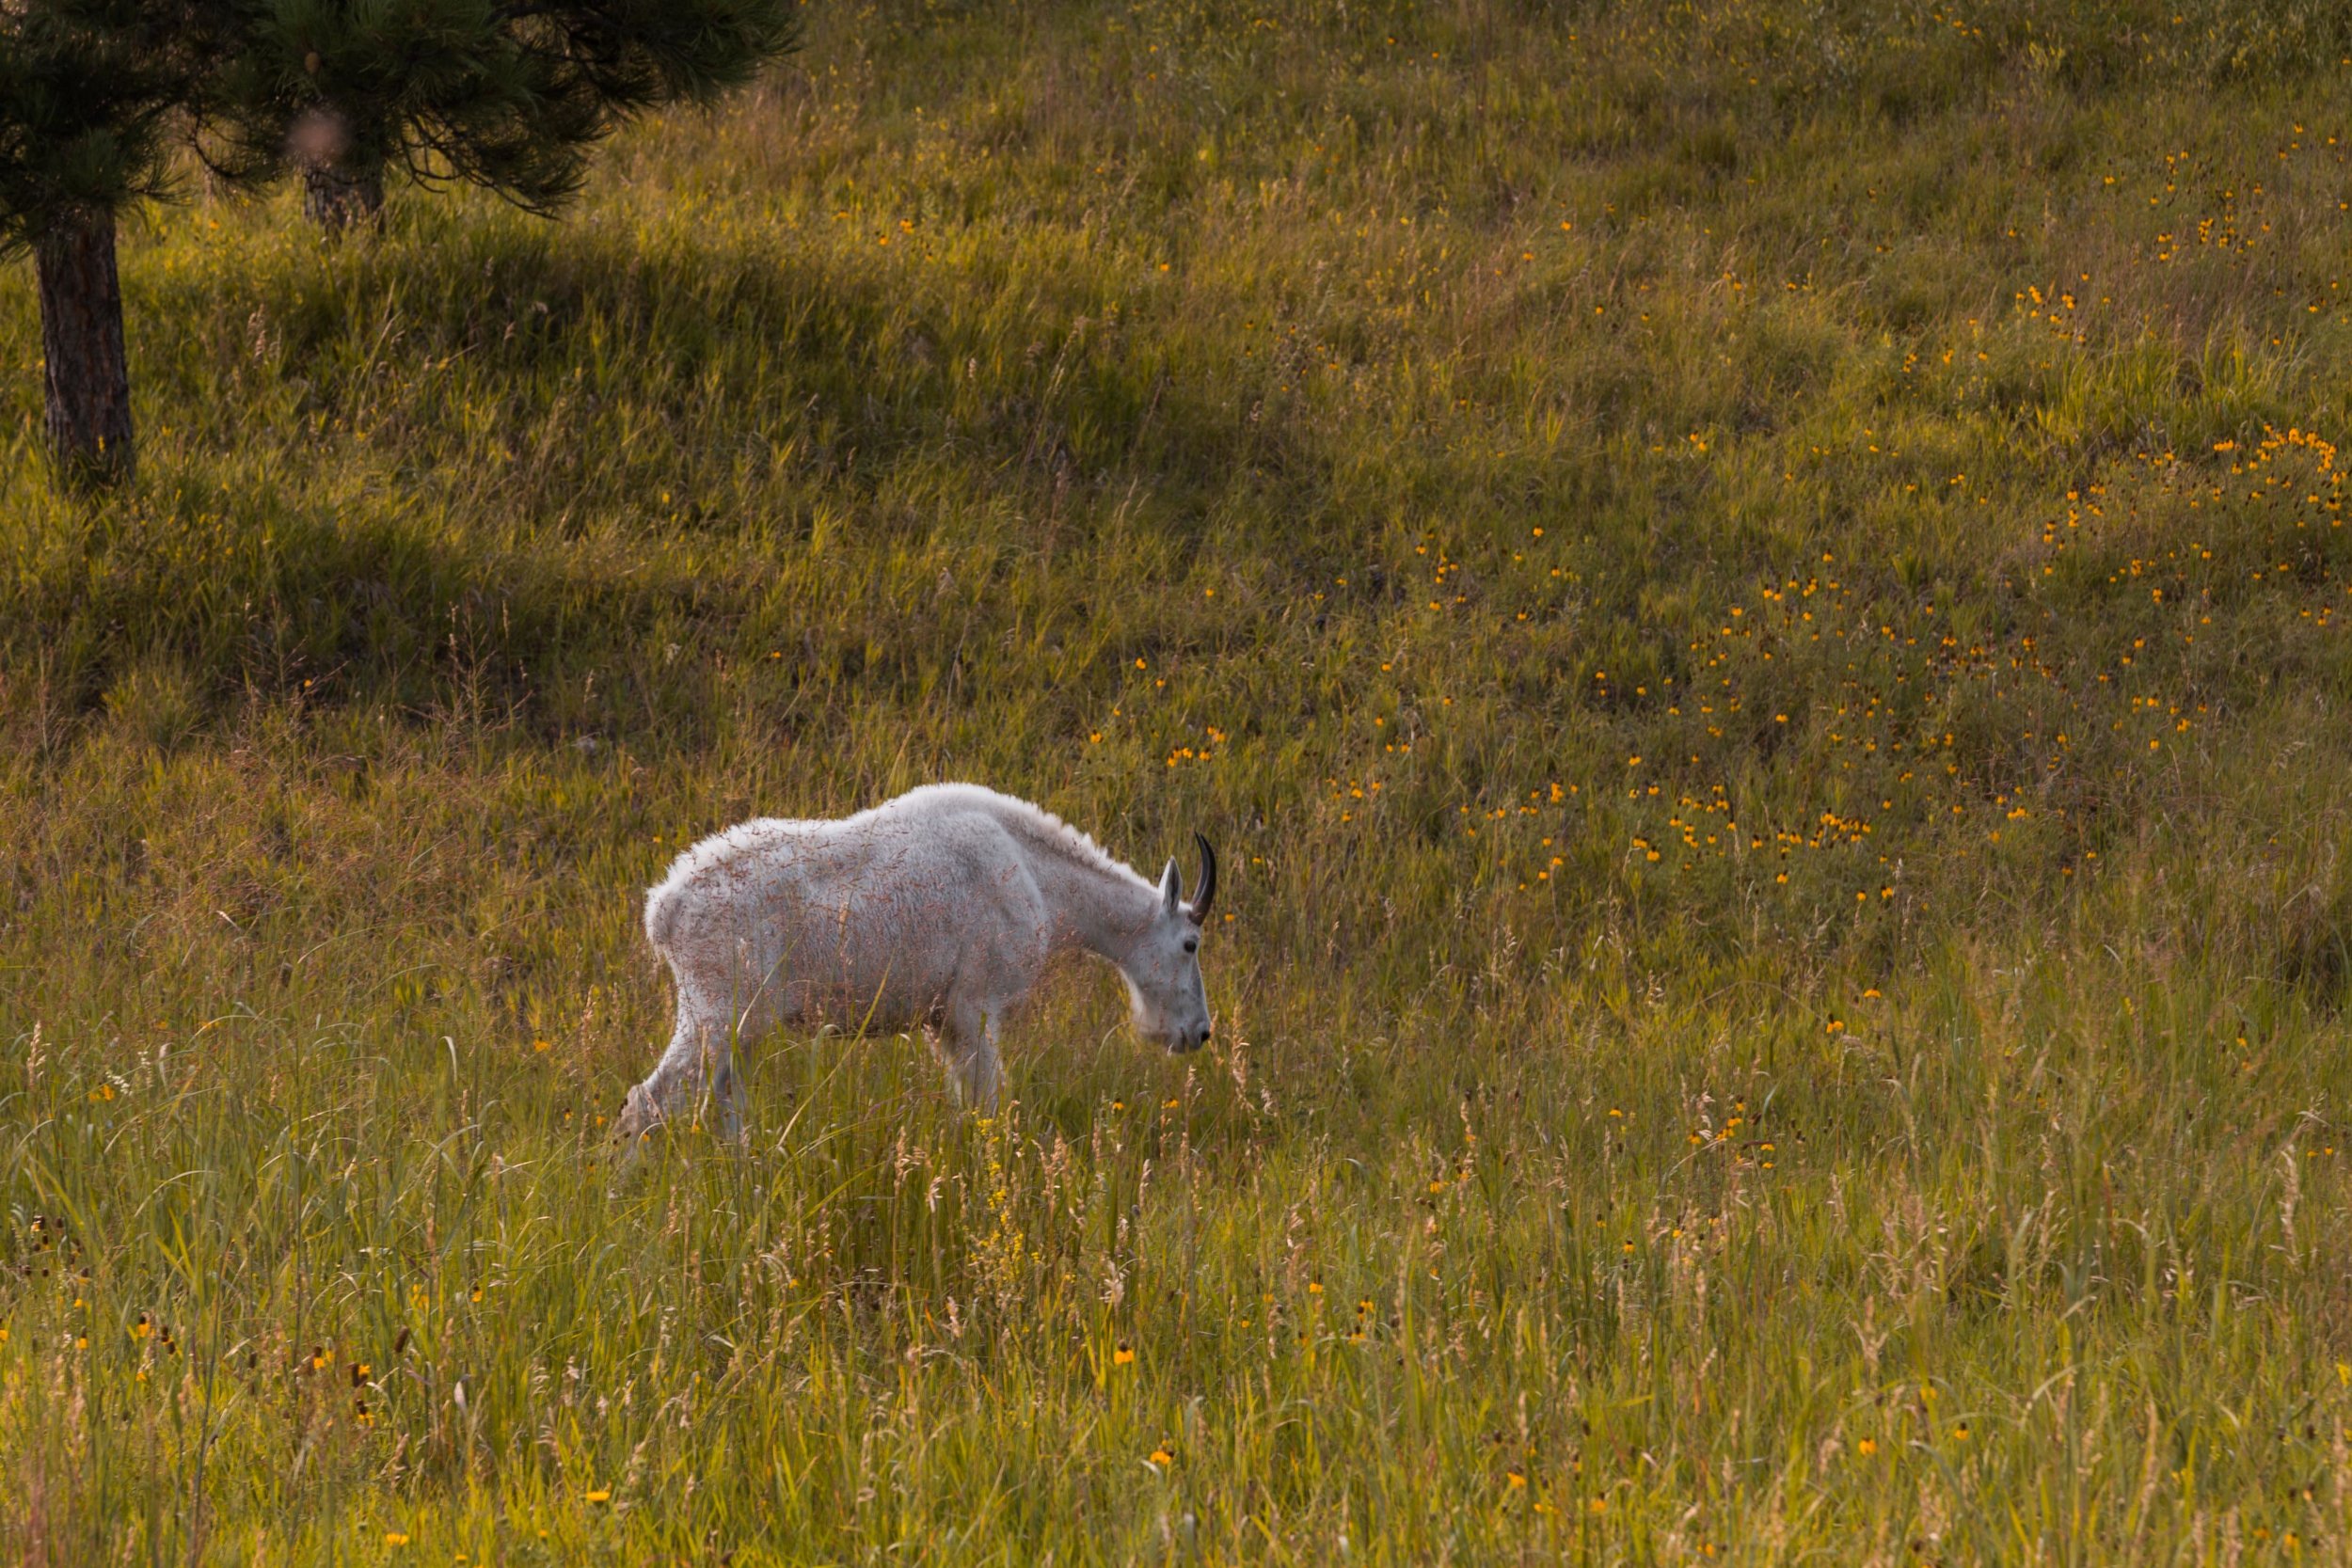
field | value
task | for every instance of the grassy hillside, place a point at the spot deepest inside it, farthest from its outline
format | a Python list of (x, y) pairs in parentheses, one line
[(1753, 595)]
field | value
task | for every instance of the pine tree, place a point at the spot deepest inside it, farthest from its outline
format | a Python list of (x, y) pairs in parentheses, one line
[(95, 95), (496, 94), (91, 93)]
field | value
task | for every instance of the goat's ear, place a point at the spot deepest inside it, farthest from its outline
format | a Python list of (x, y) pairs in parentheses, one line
[(1171, 887)]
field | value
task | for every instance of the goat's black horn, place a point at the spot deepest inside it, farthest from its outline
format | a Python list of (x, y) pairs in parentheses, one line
[(1207, 890)]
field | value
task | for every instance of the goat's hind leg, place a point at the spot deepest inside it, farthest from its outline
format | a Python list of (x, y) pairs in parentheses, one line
[(700, 1058), (726, 1090)]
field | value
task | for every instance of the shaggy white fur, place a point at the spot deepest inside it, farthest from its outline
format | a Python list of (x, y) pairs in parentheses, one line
[(939, 910)]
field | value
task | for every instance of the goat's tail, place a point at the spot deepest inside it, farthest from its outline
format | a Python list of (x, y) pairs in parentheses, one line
[(661, 913)]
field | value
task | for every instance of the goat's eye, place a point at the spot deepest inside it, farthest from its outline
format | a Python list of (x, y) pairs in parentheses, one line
[(1192, 944)]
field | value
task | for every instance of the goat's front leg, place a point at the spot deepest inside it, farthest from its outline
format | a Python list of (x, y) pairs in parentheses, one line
[(969, 1049)]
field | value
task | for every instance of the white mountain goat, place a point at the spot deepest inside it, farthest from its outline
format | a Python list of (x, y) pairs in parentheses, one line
[(939, 910)]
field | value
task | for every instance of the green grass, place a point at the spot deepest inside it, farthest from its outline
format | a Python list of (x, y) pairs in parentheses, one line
[(1752, 594)]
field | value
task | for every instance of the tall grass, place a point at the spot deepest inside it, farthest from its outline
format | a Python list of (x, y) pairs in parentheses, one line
[(1752, 594)]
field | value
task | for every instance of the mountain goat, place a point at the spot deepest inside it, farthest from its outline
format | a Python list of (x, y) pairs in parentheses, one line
[(939, 910)]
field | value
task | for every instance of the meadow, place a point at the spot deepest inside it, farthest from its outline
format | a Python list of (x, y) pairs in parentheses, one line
[(1753, 593)]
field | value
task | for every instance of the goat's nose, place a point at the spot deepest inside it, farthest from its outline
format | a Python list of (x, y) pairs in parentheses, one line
[(1204, 1034)]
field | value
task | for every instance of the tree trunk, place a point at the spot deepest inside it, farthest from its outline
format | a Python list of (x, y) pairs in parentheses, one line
[(85, 376), (335, 199)]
